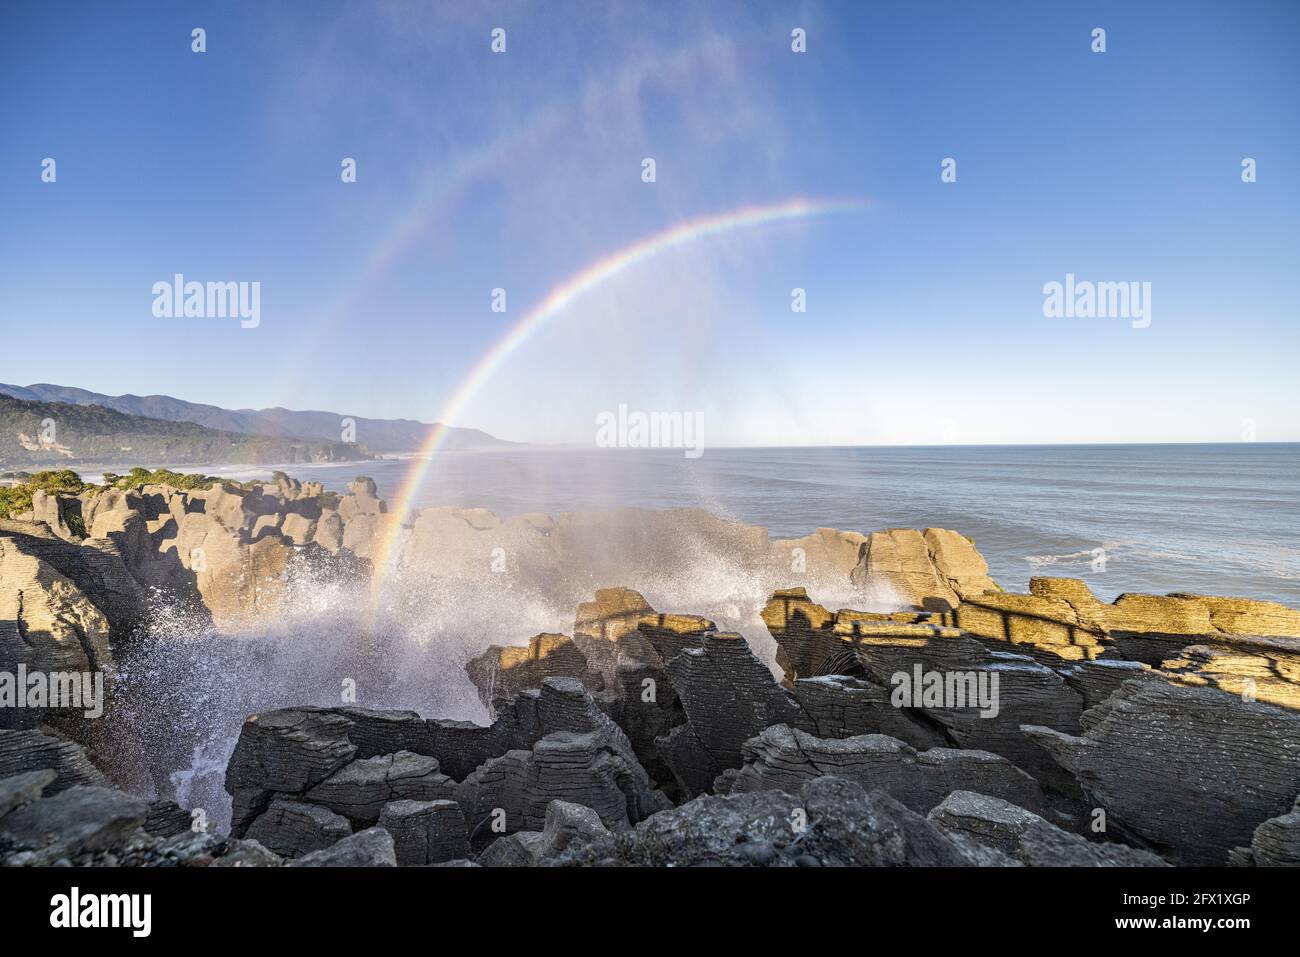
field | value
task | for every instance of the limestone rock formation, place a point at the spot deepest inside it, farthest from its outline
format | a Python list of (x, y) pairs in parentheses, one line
[(372, 847), (831, 822), (360, 789), (1189, 771), (934, 570), (43, 750), (784, 759), (1276, 842), (47, 624), (1027, 838), (501, 673), (567, 825), (728, 697), (293, 828), (425, 832)]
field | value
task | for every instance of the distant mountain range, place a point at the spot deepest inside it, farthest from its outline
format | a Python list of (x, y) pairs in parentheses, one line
[(287, 425), (57, 434)]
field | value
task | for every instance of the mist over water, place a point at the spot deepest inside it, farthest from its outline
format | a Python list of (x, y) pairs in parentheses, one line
[(1216, 519), (185, 690)]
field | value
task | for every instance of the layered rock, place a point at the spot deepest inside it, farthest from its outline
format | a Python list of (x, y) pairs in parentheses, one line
[(1188, 771), (582, 758), (934, 570), (831, 822), (47, 625), (1276, 842), (41, 750), (1027, 838), (567, 826), (1061, 617), (425, 832), (784, 759), (728, 697), (500, 673)]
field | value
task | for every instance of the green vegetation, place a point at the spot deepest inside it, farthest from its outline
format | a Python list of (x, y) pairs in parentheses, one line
[(139, 477), (18, 498)]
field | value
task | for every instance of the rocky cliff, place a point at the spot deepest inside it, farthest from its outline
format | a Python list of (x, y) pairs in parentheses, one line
[(1047, 728)]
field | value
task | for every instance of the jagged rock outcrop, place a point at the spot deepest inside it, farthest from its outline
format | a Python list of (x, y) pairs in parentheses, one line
[(360, 789), (1276, 843), (1061, 617), (619, 629), (934, 570), (354, 764), (284, 752), (227, 549), (425, 832), (586, 760), (728, 696), (42, 750), (293, 828), (784, 759), (501, 673), (47, 625), (1188, 771), (1027, 838), (372, 847), (97, 573), (831, 822), (567, 825)]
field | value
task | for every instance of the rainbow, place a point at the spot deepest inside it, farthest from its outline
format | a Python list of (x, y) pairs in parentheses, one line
[(557, 300)]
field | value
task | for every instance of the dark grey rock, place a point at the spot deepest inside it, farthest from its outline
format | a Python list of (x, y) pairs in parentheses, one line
[(1028, 838), (292, 828), (372, 847)]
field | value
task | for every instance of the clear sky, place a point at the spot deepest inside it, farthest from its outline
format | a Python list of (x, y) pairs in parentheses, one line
[(517, 170)]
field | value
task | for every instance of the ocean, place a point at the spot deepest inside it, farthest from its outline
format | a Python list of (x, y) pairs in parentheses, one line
[(1210, 519)]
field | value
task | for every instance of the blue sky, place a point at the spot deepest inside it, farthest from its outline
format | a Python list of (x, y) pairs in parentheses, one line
[(925, 319)]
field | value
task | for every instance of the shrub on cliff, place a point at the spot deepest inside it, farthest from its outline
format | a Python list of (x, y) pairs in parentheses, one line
[(18, 498)]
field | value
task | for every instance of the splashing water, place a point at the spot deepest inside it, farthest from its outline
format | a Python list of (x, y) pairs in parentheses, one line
[(185, 688)]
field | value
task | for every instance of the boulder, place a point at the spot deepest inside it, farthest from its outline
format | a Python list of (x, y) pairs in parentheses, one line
[(784, 759), (40, 750), (293, 828), (80, 820), (1027, 838), (830, 822), (1277, 841), (372, 847), (360, 789), (19, 789), (567, 826), (425, 832)]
